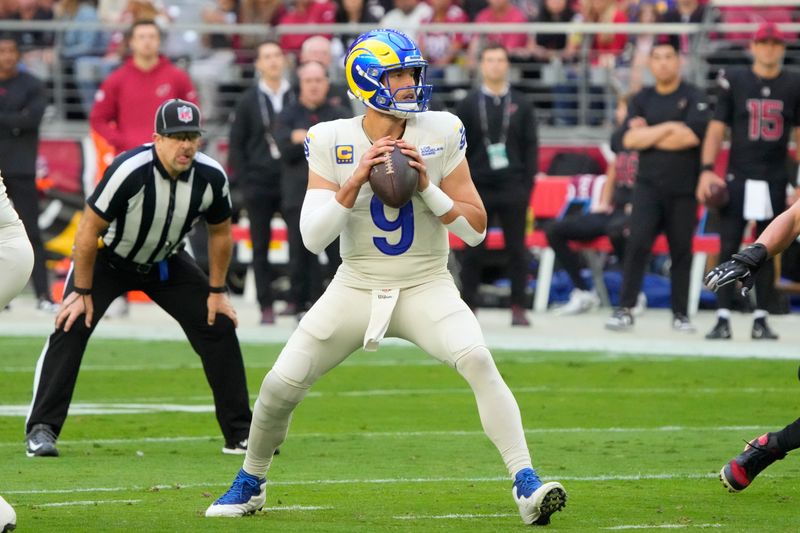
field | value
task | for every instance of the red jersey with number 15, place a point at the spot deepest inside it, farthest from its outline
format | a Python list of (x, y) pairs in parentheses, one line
[(761, 114)]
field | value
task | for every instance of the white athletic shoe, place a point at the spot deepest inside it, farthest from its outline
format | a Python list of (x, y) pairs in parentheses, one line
[(537, 500), (246, 496), (8, 517), (579, 302), (641, 305)]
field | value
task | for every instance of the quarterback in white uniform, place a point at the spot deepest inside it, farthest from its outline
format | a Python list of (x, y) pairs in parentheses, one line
[(16, 253), (393, 280), (16, 264)]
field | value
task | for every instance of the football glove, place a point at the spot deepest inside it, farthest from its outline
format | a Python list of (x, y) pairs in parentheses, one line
[(741, 267)]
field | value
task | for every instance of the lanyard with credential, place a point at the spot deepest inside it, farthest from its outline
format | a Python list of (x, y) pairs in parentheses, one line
[(485, 121), (273, 146), (496, 152)]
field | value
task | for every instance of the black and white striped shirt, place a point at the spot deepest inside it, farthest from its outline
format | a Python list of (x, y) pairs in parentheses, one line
[(150, 213)]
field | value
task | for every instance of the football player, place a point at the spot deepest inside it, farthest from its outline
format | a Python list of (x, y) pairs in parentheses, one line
[(770, 447), (393, 280), (16, 264), (761, 105)]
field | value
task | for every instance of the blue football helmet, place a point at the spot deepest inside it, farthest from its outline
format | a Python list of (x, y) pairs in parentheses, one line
[(377, 52)]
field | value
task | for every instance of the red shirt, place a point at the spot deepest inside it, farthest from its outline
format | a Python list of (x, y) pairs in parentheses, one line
[(318, 12), (509, 40), (436, 46), (126, 103), (611, 43)]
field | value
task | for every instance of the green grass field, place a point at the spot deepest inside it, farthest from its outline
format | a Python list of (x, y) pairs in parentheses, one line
[(391, 441)]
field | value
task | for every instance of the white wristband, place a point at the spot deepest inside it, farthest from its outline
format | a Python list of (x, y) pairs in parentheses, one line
[(436, 200), (462, 229)]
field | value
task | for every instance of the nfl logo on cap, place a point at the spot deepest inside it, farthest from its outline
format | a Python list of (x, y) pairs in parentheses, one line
[(177, 116), (185, 113)]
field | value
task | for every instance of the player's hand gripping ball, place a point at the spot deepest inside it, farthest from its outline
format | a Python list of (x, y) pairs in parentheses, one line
[(394, 181)]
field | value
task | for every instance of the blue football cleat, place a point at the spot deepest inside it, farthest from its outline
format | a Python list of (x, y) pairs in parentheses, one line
[(537, 500), (246, 496)]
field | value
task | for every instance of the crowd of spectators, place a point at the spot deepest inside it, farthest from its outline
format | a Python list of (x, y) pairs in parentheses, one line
[(545, 62)]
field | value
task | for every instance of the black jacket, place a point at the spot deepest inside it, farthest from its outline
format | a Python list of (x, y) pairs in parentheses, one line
[(252, 165), (294, 167), (22, 104), (522, 145)]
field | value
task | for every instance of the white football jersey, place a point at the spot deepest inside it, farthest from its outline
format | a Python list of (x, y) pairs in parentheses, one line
[(383, 247), (7, 213)]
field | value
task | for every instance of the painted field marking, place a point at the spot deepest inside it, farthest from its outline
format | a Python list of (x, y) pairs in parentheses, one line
[(492, 479), (299, 508), (661, 526), (409, 434), (85, 502), (468, 516)]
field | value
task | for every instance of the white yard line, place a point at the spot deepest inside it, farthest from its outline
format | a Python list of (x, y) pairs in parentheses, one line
[(661, 526), (299, 508), (410, 434), (386, 481), (469, 516), (85, 502)]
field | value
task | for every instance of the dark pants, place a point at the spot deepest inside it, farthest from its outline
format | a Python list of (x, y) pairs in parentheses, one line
[(513, 217), (654, 211), (183, 296), (22, 191), (261, 207), (585, 228), (306, 274)]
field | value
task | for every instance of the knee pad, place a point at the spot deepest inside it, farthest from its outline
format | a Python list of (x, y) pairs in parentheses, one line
[(477, 362), (278, 396)]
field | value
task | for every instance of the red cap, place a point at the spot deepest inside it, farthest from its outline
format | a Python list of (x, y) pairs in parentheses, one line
[(768, 31)]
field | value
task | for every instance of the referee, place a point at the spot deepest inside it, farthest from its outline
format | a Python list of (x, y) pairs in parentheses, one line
[(142, 209)]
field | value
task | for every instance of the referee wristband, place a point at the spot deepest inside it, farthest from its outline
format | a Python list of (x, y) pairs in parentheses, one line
[(217, 290), (436, 200), (81, 291), (707, 166)]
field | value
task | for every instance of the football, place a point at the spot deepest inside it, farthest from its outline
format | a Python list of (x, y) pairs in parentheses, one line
[(394, 181), (718, 196), (8, 518)]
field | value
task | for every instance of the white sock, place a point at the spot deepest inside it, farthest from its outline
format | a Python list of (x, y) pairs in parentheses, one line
[(271, 415), (760, 313), (724, 313), (497, 407)]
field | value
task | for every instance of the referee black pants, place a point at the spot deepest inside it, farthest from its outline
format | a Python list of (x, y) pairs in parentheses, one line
[(183, 296), (513, 215), (22, 191), (654, 211)]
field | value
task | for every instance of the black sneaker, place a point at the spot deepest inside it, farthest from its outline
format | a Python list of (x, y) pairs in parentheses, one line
[(761, 331), (681, 323), (240, 448), (722, 330), (41, 442), (620, 320), (757, 455)]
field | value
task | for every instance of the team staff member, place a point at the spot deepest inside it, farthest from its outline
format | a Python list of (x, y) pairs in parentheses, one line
[(256, 160), (312, 107), (760, 104), (127, 99), (22, 104), (143, 208), (502, 150), (665, 124)]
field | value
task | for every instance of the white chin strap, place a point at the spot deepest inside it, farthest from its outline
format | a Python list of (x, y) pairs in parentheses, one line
[(404, 109)]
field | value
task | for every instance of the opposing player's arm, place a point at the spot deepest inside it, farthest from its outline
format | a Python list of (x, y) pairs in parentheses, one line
[(84, 253)]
